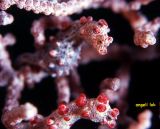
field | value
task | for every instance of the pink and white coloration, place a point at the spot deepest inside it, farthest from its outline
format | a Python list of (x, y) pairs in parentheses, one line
[(136, 4), (17, 114), (54, 7), (74, 42), (63, 90), (5, 63), (96, 34), (5, 18), (144, 30), (96, 110), (63, 51), (145, 35), (108, 86), (144, 121)]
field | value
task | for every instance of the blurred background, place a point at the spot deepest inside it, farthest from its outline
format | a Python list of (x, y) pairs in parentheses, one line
[(145, 75)]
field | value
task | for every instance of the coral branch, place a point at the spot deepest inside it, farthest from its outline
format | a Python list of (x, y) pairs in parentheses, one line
[(75, 83), (144, 121), (39, 27), (63, 52), (97, 110), (17, 114), (54, 7), (145, 35), (63, 90), (5, 18), (6, 70), (59, 53), (144, 30), (136, 4)]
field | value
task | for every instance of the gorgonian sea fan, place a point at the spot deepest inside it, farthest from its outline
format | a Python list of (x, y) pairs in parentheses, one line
[(75, 43)]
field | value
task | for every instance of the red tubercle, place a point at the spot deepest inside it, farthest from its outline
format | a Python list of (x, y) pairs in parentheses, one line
[(66, 118), (111, 124), (110, 39), (96, 30), (101, 108), (113, 114), (102, 98), (62, 109), (53, 127), (90, 19), (116, 110), (102, 22), (85, 114), (49, 121), (83, 20), (81, 100)]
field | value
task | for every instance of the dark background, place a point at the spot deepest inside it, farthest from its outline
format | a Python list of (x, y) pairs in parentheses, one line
[(145, 76)]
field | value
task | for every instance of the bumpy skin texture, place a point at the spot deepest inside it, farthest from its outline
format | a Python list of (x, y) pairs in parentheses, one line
[(145, 35), (68, 7), (63, 51), (76, 42), (96, 110), (145, 31), (54, 59), (54, 7)]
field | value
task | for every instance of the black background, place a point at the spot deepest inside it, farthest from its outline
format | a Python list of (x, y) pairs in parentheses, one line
[(145, 76)]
